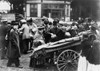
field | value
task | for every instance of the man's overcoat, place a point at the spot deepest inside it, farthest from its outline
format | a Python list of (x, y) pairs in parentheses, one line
[(13, 46)]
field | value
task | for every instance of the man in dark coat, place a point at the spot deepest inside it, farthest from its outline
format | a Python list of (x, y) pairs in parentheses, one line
[(13, 52), (86, 44), (46, 33), (94, 53), (3, 32), (56, 32)]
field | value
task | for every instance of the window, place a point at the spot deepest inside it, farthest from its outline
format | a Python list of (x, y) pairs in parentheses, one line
[(53, 6), (53, 10), (68, 11), (33, 10)]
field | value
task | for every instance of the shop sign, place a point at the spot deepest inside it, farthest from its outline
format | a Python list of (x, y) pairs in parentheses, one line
[(8, 17), (33, 1), (53, 6), (53, 1)]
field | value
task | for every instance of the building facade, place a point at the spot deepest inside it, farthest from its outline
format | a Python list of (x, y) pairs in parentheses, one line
[(49, 8)]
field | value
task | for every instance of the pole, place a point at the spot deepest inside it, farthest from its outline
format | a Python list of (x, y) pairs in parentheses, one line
[(65, 9), (24, 8), (41, 8)]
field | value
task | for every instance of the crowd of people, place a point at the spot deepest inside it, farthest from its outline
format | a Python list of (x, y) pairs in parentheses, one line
[(15, 39), (18, 38)]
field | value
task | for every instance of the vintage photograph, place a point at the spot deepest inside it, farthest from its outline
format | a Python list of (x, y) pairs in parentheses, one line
[(49, 35)]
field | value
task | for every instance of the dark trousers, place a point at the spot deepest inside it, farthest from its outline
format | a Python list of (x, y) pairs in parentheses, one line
[(3, 53), (32, 64), (21, 44), (31, 43), (3, 49), (13, 60), (25, 45)]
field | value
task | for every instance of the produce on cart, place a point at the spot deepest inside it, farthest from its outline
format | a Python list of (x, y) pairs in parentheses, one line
[(64, 53)]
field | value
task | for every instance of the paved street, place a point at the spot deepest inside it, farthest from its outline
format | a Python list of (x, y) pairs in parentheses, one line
[(24, 60)]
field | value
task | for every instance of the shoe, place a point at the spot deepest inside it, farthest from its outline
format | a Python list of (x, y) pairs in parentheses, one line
[(25, 52), (9, 66), (3, 58), (19, 66)]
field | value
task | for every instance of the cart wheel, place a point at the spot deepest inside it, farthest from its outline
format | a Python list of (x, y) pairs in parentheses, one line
[(68, 61)]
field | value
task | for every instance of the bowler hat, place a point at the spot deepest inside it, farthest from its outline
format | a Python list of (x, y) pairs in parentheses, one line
[(14, 23), (30, 20), (55, 22), (46, 22)]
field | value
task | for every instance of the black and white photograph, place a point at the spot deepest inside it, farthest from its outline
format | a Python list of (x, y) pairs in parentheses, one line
[(49, 35)]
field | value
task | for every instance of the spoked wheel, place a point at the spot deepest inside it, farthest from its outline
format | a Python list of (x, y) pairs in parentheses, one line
[(68, 61)]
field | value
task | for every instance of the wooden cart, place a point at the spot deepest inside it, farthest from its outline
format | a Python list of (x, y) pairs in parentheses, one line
[(64, 53)]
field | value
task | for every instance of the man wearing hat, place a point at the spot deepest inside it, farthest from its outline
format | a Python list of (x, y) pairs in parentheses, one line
[(13, 52), (56, 32), (46, 33), (3, 32), (25, 36), (33, 29), (22, 22)]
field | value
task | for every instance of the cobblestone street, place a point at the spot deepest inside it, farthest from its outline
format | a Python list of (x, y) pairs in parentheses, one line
[(24, 61)]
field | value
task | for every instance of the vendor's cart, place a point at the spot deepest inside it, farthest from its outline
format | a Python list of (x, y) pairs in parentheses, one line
[(64, 53)]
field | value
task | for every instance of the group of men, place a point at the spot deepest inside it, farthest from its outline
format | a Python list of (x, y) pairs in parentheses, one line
[(90, 44), (14, 39), (27, 31), (90, 58), (20, 36)]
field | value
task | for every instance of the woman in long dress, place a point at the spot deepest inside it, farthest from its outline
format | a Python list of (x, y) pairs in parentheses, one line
[(91, 61)]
